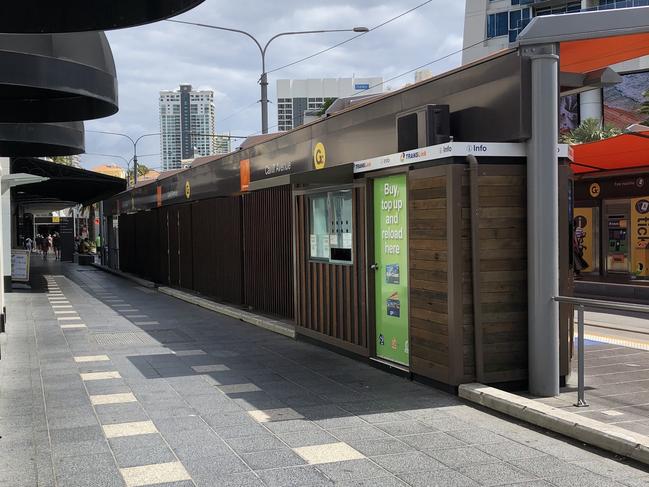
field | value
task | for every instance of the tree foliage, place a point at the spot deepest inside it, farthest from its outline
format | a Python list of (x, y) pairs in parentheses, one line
[(590, 130), (327, 103)]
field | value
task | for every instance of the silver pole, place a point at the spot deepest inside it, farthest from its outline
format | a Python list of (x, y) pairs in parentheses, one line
[(581, 401), (542, 223), (264, 103)]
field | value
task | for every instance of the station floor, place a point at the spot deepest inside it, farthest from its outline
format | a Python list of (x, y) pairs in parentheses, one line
[(104, 383)]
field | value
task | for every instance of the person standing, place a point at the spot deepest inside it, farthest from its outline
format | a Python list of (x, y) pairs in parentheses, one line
[(56, 242)]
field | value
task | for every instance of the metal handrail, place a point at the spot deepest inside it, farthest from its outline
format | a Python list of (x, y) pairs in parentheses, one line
[(597, 304)]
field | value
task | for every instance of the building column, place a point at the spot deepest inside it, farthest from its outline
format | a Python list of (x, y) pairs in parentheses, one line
[(590, 105), (543, 222), (6, 230)]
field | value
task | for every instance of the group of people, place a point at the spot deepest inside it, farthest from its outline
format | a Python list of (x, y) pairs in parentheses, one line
[(45, 243)]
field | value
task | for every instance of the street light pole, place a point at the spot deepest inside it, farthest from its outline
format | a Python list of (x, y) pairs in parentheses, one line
[(263, 79), (133, 141)]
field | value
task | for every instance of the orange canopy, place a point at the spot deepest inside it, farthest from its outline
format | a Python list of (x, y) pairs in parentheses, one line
[(591, 54), (621, 152)]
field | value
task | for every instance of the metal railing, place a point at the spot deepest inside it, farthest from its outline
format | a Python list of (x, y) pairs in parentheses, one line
[(593, 304)]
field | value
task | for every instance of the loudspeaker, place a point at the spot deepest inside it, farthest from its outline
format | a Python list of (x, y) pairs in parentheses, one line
[(423, 126), (438, 120)]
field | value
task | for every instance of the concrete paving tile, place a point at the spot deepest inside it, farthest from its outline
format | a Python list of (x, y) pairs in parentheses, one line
[(328, 453), (88, 470), (279, 427), (587, 479), (295, 477), (154, 474), (79, 448), (458, 457), (112, 399), (607, 467), (209, 478), (340, 422), (129, 429), (496, 473), (252, 444), (476, 436), (120, 413), (83, 433), (438, 478), (510, 450), (239, 430), (408, 462), (548, 466), (379, 446), (403, 428), (307, 438), (132, 451), (272, 459), (238, 388), (91, 358), (433, 441), (283, 414), (76, 326), (208, 470), (203, 369), (360, 469)]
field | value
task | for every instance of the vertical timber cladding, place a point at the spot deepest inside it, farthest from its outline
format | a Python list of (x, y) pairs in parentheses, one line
[(147, 246), (217, 248), (503, 270), (185, 247), (163, 241), (332, 298), (268, 251), (127, 243), (430, 329), (442, 325)]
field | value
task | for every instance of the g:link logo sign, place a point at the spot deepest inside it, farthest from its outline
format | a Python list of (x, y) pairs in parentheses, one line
[(319, 156)]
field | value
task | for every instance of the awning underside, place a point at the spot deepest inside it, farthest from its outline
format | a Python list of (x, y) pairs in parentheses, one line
[(627, 151), (66, 183)]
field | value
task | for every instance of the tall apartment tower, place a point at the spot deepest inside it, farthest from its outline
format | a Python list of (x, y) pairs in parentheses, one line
[(491, 25), (295, 97), (184, 113)]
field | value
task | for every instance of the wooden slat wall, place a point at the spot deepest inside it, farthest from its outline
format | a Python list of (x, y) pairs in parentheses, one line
[(147, 245), (163, 239), (429, 265), (217, 249), (503, 268), (174, 246), (332, 299), (127, 242), (268, 251), (186, 251)]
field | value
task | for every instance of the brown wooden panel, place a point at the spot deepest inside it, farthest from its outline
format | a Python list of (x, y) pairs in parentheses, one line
[(428, 254), (268, 251), (332, 298)]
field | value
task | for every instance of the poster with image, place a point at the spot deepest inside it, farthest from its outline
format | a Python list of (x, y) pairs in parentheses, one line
[(391, 277), (623, 101)]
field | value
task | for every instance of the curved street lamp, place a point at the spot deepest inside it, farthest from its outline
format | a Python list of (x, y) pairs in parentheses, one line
[(263, 80), (133, 141)]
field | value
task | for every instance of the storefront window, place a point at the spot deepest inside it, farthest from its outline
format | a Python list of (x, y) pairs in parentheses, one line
[(331, 226)]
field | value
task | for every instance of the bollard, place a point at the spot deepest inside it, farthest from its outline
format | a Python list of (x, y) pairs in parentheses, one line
[(581, 401)]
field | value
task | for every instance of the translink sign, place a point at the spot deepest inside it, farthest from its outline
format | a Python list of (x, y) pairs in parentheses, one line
[(441, 151)]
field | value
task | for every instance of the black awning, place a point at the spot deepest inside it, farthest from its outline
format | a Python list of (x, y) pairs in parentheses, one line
[(41, 139), (45, 16), (56, 77), (66, 183)]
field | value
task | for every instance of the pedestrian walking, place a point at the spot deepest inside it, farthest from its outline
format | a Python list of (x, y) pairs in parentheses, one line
[(56, 242)]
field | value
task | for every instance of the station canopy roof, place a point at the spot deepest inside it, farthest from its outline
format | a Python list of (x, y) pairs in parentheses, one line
[(66, 186), (51, 16), (40, 139), (56, 77), (592, 40), (626, 151)]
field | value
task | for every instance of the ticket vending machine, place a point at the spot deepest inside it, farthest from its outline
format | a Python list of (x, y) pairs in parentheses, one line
[(617, 251)]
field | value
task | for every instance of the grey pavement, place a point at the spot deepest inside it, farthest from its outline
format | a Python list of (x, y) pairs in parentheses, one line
[(105, 383)]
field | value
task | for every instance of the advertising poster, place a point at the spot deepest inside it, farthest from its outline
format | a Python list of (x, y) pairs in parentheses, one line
[(391, 278), (583, 228), (640, 236)]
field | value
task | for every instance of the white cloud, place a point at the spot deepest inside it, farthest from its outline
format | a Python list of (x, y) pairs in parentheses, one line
[(163, 55)]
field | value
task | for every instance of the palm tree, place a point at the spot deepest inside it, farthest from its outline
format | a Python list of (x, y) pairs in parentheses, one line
[(590, 130)]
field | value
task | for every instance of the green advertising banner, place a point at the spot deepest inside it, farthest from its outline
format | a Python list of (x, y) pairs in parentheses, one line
[(391, 281)]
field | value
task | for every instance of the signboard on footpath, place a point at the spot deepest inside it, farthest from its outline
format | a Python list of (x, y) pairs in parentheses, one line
[(20, 260), (391, 253), (640, 236)]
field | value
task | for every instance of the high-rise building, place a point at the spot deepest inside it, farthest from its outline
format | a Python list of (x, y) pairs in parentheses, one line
[(492, 25), (295, 97), (222, 145), (186, 125)]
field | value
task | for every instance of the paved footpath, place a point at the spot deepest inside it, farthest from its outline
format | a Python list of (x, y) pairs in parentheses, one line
[(104, 383)]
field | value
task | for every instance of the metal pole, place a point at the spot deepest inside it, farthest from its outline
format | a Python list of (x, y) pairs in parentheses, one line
[(135, 163), (264, 103), (542, 223), (581, 401)]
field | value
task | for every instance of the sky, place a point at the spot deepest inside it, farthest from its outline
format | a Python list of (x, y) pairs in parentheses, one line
[(163, 55)]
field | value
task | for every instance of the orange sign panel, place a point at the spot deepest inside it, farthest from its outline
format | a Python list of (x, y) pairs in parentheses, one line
[(244, 171)]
